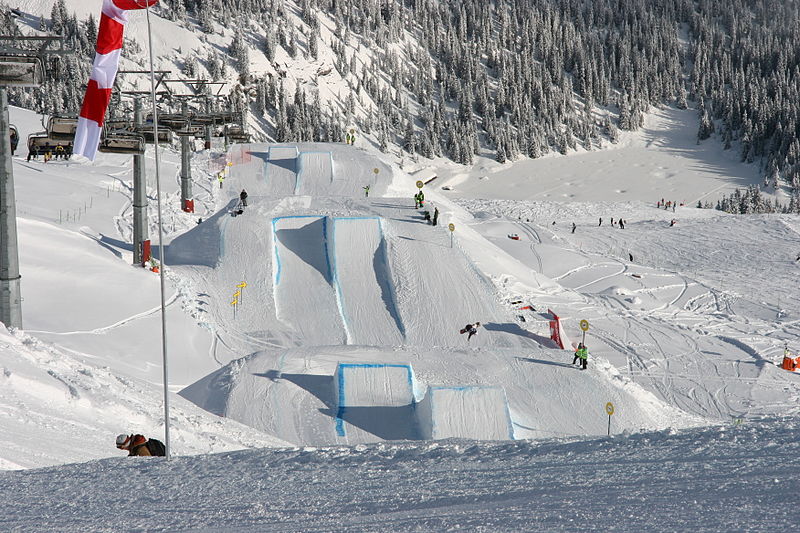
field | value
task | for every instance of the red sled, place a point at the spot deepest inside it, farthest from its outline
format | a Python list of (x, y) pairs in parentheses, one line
[(513, 236)]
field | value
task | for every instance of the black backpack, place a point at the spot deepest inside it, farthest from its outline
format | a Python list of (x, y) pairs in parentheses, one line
[(156, 448)]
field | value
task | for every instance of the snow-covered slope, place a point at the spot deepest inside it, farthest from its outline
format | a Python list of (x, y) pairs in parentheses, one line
[(727, 478)]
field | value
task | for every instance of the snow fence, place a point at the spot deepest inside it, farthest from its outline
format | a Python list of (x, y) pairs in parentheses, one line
[(379, 401)]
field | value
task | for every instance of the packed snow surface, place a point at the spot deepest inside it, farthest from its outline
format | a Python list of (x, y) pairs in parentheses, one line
[(687, 323), (726, 478)]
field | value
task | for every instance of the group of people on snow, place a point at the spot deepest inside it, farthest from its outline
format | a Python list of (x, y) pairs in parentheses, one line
[(667, 205)]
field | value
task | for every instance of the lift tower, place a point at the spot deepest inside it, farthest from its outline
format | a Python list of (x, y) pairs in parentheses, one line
[(21, 65)]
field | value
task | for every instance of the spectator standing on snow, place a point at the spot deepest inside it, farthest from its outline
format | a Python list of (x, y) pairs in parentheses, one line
[(573, 227), (243, 197), (472, 329), (621, 224), (630, 256), (366, 191), (581, 354), (435, 215), (601, 222)]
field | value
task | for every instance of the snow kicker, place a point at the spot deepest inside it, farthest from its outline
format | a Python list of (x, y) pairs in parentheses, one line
[(315, 173), (280, 170), (353, 293), (363, 283), (302, 278), (470, 412), (380, 400)]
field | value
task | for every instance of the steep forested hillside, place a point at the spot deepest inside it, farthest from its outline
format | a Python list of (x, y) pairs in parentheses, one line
[(505, 78)]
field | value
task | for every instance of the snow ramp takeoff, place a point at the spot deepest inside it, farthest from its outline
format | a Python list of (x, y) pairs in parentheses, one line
[(363, 283), (470, 412), (375, 401), (280, 170), (304, 297), (315, 174)]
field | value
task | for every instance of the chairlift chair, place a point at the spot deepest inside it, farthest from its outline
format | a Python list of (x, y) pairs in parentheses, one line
[(41, 141), (121, 142), (62, 127), (21, 71), (164, 134)]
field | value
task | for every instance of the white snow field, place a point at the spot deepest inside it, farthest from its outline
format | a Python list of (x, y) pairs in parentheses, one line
[(346, 336), (716, 479)]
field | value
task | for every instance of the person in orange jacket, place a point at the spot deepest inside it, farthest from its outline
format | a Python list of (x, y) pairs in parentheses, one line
[(134, 444)]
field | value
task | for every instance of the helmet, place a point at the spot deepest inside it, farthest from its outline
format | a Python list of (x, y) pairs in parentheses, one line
[(123, 440)]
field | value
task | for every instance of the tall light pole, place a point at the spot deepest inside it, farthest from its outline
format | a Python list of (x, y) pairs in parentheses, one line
[(161, 257)]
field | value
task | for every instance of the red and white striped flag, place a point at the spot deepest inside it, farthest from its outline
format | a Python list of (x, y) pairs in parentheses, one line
[(104, 70)]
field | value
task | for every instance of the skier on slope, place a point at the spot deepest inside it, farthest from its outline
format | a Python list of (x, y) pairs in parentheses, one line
[(472, 329)]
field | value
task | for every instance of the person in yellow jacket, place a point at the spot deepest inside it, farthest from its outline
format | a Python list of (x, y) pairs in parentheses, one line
[(582, 355)]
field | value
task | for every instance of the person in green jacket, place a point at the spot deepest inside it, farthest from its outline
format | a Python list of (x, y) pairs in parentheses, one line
[(582, 355)]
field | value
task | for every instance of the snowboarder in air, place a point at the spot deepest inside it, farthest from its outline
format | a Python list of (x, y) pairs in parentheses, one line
[(243, 197), (366, 191), (472, 329), (582, 355)]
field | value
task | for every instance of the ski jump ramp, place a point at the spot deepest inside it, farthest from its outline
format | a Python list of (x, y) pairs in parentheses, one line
[(470, 412), (363, 283), (304, 296), (375, 401), (280, 170), (315, 173), (378, 401)]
